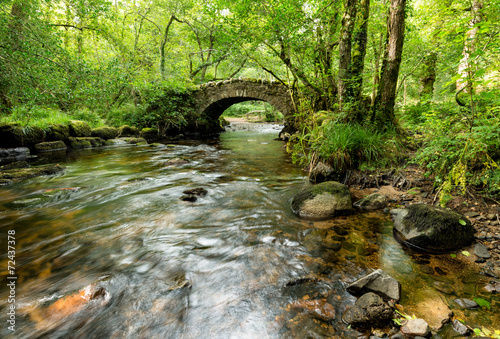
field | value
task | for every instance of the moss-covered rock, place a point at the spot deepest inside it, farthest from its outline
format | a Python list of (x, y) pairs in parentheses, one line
[(322, 201), (95, 141), (11, 135), (57, 132), (374, 201), (15, 165), (79, 128), (137, 141), (128, 131), (50, 146), (33, 135), (105, 132), (77, 143), (432, 228), (25, 173), (115, 142), (150, 134)]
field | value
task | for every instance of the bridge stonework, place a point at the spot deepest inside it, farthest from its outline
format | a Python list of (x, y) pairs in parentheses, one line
[(214, 98)]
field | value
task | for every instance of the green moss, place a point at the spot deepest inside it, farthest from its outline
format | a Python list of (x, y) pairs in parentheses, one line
[(14, 165), (79, 128), (150, 134), (32, 135), (57, 132), (155, 145), (137, 141), (77, 143), (50, 146), (95, 141), (25, 173), (105, 132), (128, 131)]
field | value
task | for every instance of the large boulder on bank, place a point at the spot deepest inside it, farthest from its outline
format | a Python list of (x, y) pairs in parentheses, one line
[(105, 132), (57, 132), (432, 228), (150, 134), (128, 131), (13, 135), (50, 146), (79, 128), (77, 143), (322, 201), (368, 311)]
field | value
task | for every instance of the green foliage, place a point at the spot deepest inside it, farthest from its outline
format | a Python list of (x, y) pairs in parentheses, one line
[(254, 108), (344, 146), (482, 302)]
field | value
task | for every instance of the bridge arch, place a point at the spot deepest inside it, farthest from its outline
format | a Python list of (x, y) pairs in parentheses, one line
[(214, 98)]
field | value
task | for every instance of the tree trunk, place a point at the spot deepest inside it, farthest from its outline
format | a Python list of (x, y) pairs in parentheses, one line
[(465, 68), (377, 50), (386, 96), (348, 22), (428, 77), (162, 46)]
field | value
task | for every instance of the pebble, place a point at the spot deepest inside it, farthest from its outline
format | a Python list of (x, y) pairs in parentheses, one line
[(472, 214), (481, 251), (460, 328), (416, 327)]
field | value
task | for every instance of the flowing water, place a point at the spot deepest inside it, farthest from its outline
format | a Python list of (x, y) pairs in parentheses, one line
[(235, 263)]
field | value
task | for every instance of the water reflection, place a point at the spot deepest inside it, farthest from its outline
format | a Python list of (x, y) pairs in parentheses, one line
[(236, 263)]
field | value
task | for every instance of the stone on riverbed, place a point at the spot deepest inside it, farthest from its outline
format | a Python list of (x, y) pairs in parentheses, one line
[(369, 311), (415, 327), (432, 228), (374, 201), (377, 282), (481, 251), (25, 173), (322, 201)]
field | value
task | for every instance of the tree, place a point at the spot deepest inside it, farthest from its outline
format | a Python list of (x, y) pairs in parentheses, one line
[(384, 116)]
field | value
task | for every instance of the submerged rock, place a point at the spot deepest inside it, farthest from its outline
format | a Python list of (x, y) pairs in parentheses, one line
[(461, 328), (466, 303), (198, 191), (15, 165), (14, 152), (318, 308), (432, 228), (322, 201), (176, 161), (374, 201), (368, 311), (377, 282)]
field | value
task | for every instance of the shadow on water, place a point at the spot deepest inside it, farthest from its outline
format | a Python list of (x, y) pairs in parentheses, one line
[(117, 254)]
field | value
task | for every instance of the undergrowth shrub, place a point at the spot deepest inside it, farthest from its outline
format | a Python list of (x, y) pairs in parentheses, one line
[(459, 148), (345, 146)]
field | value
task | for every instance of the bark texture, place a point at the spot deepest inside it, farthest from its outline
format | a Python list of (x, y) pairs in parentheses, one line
[(386, 96)]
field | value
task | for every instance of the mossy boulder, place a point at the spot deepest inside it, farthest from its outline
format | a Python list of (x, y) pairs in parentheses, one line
[(25, 173), (77, 143), (57, 132), (95, 141), (137, 141), (33, 135), (79, 128), (128, 131), (322, 201), (15, 165), (150, 134), (431, 228), (50, 146), (11, 135), (105, 132)]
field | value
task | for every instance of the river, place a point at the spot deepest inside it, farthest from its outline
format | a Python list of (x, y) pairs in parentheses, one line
[(235, 263)]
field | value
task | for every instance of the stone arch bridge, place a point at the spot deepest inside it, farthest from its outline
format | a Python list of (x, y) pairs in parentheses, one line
[(213, 98)]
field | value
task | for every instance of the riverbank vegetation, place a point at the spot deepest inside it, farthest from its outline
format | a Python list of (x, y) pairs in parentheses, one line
[(376, 83)]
